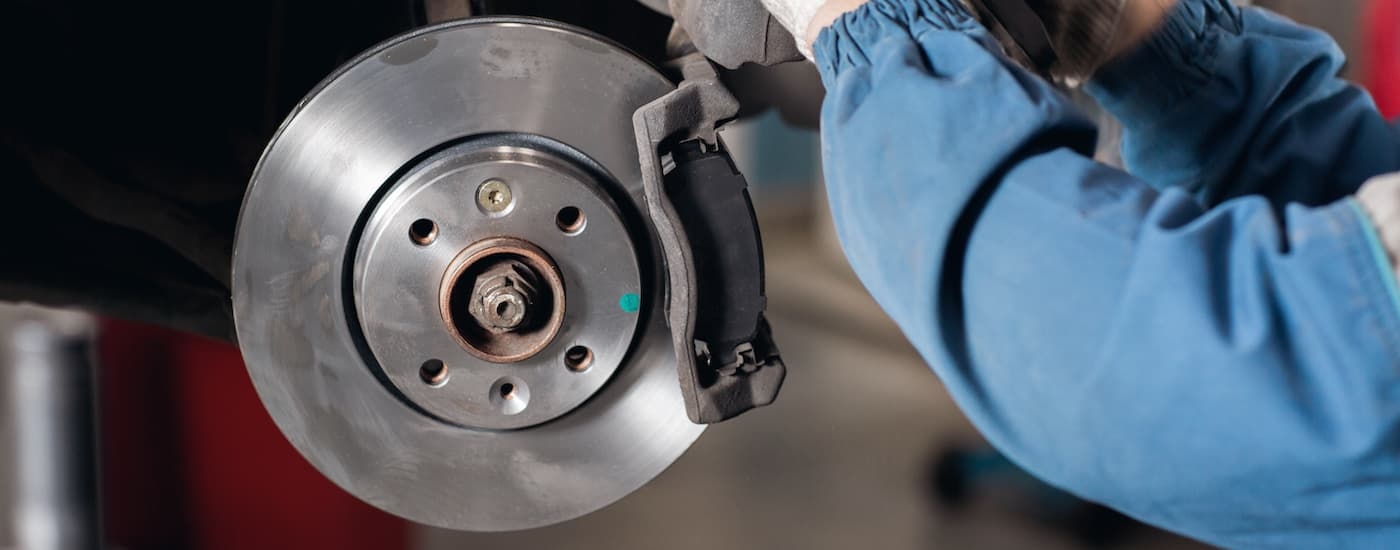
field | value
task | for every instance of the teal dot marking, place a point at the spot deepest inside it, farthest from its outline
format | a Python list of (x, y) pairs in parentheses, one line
[(630, 302)]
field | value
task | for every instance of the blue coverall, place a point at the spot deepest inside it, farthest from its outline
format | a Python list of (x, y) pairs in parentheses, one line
[(1209, 341)]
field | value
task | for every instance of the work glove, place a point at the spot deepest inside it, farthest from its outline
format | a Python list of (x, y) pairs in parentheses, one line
[(1380, 199), (1065, 39), (796, 16), (730, 32)]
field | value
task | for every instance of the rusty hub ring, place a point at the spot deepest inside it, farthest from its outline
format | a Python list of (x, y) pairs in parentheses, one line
[(483, 343)]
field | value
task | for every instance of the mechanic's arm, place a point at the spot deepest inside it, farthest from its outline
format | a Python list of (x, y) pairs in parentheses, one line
[(1231, 373), (1225, 102)]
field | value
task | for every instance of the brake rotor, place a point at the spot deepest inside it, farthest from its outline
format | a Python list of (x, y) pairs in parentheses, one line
[(444, 288)]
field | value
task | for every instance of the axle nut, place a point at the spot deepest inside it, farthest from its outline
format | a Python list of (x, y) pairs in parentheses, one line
[(505, 296)]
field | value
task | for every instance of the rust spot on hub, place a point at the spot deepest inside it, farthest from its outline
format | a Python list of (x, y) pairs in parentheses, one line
[(503, 299)]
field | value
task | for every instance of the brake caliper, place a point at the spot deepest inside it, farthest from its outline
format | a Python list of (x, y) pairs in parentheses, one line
[(704, 217)]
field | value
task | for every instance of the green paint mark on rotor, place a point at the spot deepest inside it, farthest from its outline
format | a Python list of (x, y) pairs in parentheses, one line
[(630, 302)]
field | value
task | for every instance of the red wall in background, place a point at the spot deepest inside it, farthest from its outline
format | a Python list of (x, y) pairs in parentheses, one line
[(191, 459)]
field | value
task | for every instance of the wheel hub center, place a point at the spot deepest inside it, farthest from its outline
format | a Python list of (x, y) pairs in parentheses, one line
[(503, 300), (461, 278)]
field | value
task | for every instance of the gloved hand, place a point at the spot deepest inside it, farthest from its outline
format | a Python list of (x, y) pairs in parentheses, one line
[(1380, 199), (797, 15), (730, 32), (1083, 34), (804, 18)]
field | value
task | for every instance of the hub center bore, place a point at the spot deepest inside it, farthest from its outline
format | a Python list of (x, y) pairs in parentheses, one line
[(503, 299)]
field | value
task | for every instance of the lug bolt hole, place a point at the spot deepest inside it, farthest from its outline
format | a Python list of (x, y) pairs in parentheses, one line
[(423, 232), (578, 358), (433, 373), (570, 220), (510, 395)]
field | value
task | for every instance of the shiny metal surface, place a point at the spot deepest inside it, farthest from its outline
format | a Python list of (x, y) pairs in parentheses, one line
[(298, 332), (399, 285)]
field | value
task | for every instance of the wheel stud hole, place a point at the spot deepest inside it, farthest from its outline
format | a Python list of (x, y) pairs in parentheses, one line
[(423, 232), (433, 373), (578, 358), (510, 395), (570, 220)]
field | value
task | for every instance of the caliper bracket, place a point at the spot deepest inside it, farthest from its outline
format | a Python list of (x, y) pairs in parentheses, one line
[(704, 219)]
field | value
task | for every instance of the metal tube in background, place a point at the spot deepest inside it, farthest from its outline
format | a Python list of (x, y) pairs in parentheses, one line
[(45, 356)]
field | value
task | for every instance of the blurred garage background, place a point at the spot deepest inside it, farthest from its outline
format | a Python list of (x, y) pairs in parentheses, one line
[(864, 449)]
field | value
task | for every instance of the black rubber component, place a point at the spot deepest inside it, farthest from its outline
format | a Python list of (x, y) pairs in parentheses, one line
[(712, 199), (740, 368)]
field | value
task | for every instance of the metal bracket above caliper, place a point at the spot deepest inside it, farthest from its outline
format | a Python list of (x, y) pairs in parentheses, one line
[(710, 243)]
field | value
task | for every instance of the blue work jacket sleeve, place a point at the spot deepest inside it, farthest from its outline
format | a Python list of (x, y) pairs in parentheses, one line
[(1232, 372), (1226, 102)]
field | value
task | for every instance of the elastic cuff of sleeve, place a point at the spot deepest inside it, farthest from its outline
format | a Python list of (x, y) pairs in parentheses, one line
[(1172, 65), (851, 39)]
